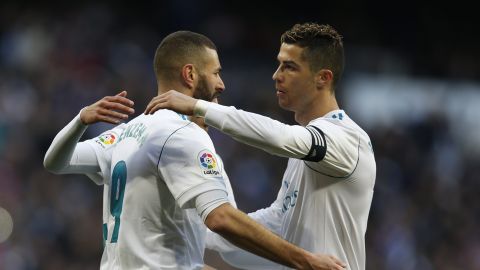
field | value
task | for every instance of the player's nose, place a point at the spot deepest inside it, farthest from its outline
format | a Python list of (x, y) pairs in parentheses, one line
[(221, 87), (275, 74)]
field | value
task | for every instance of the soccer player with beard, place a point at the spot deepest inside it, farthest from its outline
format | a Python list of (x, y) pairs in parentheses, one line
[(161, 175)]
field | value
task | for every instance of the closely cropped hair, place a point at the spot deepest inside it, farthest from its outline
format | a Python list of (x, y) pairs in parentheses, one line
[(178, 49), (323, 47)]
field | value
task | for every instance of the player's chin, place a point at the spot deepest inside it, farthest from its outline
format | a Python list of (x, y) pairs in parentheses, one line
[(283, 104)]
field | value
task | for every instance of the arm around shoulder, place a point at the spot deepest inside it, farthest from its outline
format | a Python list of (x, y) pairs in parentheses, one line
[(258, 131)]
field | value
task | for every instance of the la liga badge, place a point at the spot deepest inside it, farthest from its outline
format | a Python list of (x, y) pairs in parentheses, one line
[(208, 163), (106, 139)]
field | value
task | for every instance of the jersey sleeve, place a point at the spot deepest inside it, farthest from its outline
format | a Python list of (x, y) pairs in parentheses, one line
[(327, 148), (102, 147), (189, 166), (228, 185), (67, 155), (337, 146), (259, 131)]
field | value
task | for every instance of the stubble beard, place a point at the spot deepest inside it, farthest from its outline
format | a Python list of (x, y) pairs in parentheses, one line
[(202, 91)]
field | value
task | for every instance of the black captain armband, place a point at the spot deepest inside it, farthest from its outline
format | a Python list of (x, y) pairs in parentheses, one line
[(319, 145)]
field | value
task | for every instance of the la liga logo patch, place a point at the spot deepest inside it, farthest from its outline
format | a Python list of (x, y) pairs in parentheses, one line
[(208, 163), (106, 139)]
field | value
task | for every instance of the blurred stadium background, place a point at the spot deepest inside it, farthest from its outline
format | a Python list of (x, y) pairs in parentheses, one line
[(412, 80)]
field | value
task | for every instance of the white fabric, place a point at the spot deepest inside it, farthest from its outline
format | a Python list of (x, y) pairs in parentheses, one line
[(165, 162), (200, 108), (228, 185), (180, 167), (322, 206), (65, 155), (59, 155), (207, 201), (260, 131)]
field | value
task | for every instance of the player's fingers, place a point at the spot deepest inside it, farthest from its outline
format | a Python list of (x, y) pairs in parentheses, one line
[(155, 105), (120, 99), (107, 119), (338, 262), (119, 107), (156, 108), (113, 114), (122, 94), (150, 104), (147, 109)]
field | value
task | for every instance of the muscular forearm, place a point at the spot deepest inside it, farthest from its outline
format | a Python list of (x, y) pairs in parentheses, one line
[(268, 217), (242, 231)]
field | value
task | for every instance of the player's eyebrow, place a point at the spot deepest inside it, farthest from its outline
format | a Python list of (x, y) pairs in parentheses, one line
[(288, 62), (217, 70)]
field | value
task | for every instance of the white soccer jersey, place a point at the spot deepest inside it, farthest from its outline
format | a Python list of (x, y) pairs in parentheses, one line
[(327, 188), (152, 168)]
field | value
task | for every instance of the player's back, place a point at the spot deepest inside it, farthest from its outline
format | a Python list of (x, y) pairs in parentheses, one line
[(144, 226)]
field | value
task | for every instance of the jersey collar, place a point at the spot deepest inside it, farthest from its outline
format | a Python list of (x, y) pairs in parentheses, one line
[(336, 114)]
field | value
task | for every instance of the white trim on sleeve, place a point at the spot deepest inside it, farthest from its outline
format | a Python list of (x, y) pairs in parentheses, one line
[(200, 108)]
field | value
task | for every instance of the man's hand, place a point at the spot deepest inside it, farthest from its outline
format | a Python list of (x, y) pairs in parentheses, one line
[(174, 101), (108, 109), (325, 262)]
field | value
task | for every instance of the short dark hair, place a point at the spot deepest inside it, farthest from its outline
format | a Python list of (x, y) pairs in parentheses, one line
[(178, 49), (323, 47)]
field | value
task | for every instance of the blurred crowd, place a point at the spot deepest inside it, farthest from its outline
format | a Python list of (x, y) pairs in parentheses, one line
[(425, 207)]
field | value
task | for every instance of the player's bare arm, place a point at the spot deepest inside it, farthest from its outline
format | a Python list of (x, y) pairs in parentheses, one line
[(242, 231), (110, 109)]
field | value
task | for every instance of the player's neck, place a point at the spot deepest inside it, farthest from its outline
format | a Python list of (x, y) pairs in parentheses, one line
[(317, 108), (165, 87)]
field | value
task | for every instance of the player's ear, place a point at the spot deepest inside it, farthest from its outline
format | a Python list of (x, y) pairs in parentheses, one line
[(323, 78), (189, 75)]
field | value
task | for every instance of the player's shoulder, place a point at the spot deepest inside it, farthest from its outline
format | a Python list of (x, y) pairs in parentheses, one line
[(154, 129), (338, 122), (333, 118), (187, 141), (193, 134), (108, 138), (175, 127), (165, 122)]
